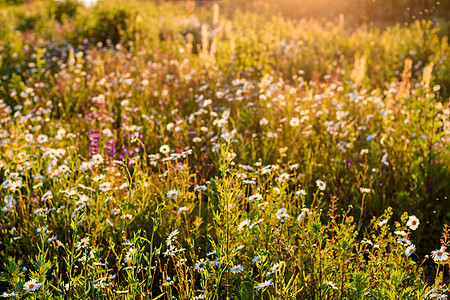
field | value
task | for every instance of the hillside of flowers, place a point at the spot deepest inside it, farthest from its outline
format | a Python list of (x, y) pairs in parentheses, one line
[(161, 151)]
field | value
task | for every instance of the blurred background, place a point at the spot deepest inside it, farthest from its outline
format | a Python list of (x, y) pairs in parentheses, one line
[(352, 12)]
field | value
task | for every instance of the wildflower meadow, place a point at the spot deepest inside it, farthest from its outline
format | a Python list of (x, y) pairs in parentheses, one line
[(216, 150)]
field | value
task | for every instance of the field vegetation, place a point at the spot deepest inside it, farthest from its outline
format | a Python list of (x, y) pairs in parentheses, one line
[(164, 150)]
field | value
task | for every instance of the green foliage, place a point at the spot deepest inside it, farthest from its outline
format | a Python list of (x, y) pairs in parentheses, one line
[(28, 23), (111, 24), (64, 9)]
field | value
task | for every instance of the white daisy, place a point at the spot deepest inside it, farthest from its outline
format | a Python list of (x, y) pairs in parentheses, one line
[(263, 122), (29, 137), (294, 122), (331, 284), (257, 260), (264, 284), (321, 185), (300, 193), (438, 296), (243, 224), (439, 255), (413, 222), (129, 254), (283, 177), (200, 188), (255, 197), (99, 177), (300, 216), (8, 295), (182, 209), (382, 223), (16, 185), (32, 285), (236, 269), (105, 186), (365, 190), (200, 265), (164, 149), (281, 214), (42, 138), (97, 159), (172, 194), (410, 250)]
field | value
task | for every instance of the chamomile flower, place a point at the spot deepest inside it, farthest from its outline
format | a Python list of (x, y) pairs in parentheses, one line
[(413, 222), (384, 160), (300, 216), (105, 186), (263, 122), (172, 194), (243, 224), (8, 295), (283, 177), (172, 236), (255, 197), (430, 292), (264, 284), (438, 296), (99, 177), (382, 223), (200, 265), (199, 188), (403, 241), (365, 190), (42, 138), (32, 285), (410, 250), (281, 214), (301, 192), (294, 166), (331, 284), (237, 248), (257, 260), (164, 149), (109, 222), (182, 209), (439, 255), (29, 138), (16, 185), (83, 243), (97, 159), (129, 255), (321, 185), (236, 269), (402, 233), (294, 122), (215, 262)]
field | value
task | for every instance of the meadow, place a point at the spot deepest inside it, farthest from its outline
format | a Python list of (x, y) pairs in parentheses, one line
[(160, 151)]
